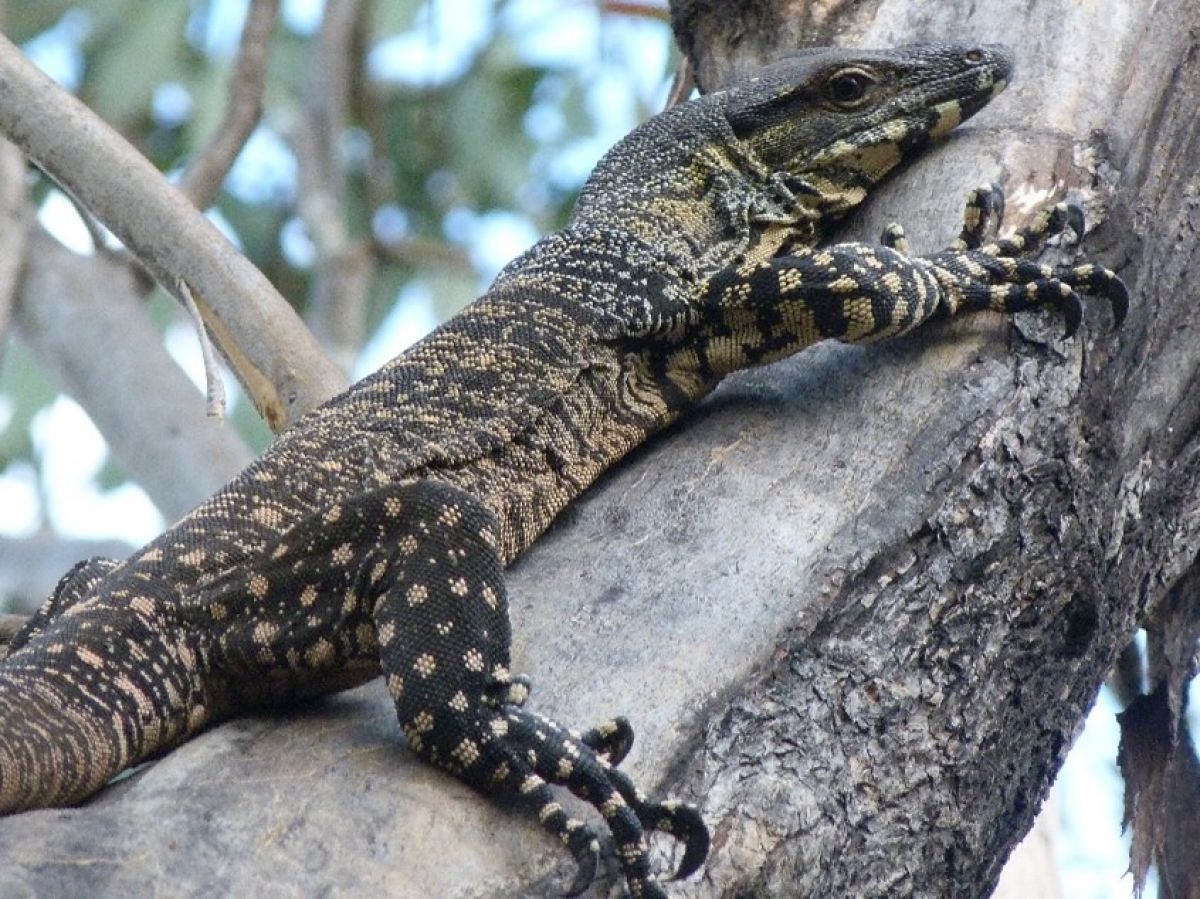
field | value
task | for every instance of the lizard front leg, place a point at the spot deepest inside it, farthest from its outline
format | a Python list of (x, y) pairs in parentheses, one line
[(442, 622), (409, 575), (855, 292)]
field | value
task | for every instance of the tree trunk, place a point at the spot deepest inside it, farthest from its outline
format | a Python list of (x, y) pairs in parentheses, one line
[(858, 605)]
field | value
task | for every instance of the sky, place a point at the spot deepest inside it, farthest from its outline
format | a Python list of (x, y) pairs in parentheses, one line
[(623, 60)]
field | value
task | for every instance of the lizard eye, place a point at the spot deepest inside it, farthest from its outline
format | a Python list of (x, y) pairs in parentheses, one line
[(848, 88)]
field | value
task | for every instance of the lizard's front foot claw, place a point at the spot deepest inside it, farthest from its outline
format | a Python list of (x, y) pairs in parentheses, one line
[(995, 276), (612, 739), (894, 238), (585, 848), (684, 822), (984, 210)]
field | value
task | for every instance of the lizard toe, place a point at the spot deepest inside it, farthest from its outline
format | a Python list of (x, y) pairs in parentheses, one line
[(612, 739)]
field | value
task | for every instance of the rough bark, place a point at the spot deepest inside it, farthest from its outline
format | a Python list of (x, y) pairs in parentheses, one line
[(857, 606)]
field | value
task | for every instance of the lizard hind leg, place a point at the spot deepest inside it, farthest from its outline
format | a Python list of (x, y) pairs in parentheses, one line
[(441, 617), (71, 588)]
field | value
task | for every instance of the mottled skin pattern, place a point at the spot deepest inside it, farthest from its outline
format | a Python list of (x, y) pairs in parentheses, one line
[(372, 537)]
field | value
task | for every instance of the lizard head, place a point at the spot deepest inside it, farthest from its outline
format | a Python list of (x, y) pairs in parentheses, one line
[(832, 123)]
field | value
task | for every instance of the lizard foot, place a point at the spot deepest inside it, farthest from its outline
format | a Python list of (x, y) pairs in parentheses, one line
[(995, 276), (578, 763)]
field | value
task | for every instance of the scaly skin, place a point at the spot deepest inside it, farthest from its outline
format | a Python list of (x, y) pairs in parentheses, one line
[(371, 538)]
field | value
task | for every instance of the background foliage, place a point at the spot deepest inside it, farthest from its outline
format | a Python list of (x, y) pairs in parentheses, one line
[(472, 127)]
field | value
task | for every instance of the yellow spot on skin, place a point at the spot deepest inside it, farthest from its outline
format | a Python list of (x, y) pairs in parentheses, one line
[(143, 605), (416, 594), (153, 555), (268, 516), (192, 559), (423, 722), (489, 596), (408, 545), (320, 653), (333, 514), (450, 516), (350, 602), (565, 767), (387, 634), (197, 718), (258, 586), (377, 571), (467, 752), (949, 117), (91, 658), (367, 641), (308, 596), (473, 660), (458, 702), (612, 805), (342, 554), (458, 586), (425, 664), (395, 685), (265, 632), (218, 611)]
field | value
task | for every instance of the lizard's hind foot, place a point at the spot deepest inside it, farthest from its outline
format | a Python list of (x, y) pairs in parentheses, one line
[(576, 761)]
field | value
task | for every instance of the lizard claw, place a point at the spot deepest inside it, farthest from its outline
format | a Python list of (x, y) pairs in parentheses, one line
[(1074, 220), (587, 858), (1072, 309), (1104, 282), (612, 739), (1118, 296), (687, 825)]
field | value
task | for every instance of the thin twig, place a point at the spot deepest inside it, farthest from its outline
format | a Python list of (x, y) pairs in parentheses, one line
[(202, 181), (214, 387), (270, 350), (423, 251), (14, 228), (682, 84), (344, 265)]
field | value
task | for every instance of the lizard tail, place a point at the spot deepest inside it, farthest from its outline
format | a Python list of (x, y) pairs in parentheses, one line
[(106, 685)]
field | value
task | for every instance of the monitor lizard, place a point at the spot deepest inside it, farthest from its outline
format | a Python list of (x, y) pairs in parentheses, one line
[(372, 536)]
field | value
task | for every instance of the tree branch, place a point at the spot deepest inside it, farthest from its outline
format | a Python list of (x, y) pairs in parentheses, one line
[(202, 181), (269, 349), (14, 227), (344, 265)]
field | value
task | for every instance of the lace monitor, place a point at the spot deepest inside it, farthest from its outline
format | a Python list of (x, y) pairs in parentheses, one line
[(372, 536)]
